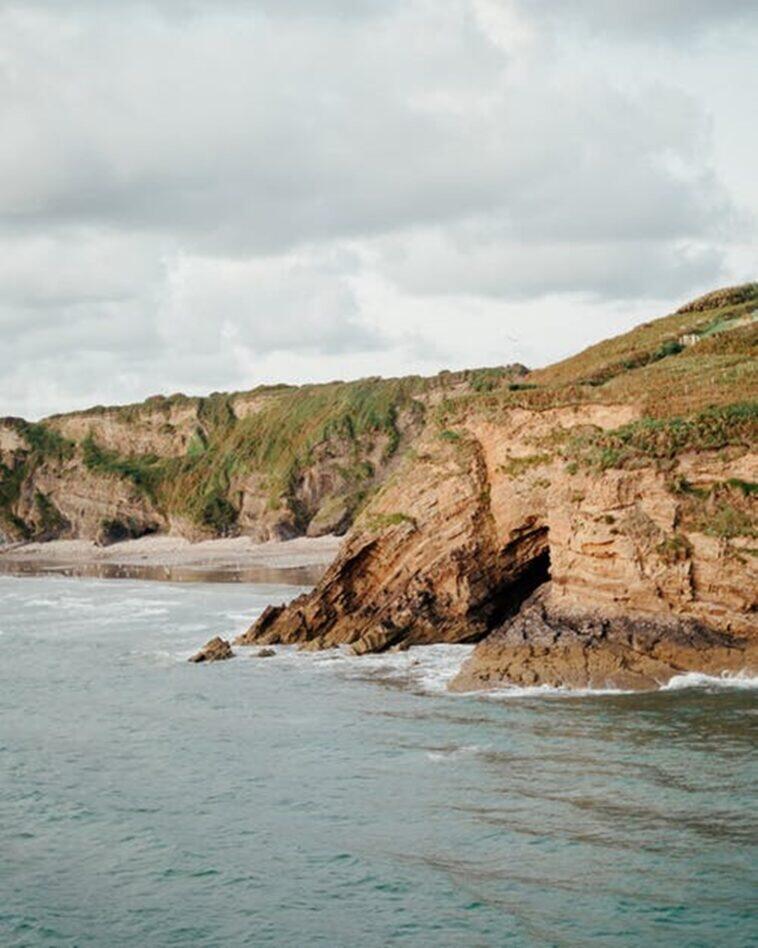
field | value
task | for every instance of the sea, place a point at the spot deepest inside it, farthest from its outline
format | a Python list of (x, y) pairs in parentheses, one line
[(323, 799)]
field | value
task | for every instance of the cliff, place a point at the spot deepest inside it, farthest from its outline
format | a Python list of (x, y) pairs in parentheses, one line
[(593, 523), (272, 463)]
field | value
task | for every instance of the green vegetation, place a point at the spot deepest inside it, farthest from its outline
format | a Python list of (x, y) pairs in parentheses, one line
[(50, 521), (11, 481), (44, 442), (216, 411), (655, 439), (675, 549), (218, 513), (485, 380), (385, 521), (144, 471), (515, 467), (293, 429), (724, 509), (748, 488), (196, 446), (669, 348), (278, 442), (726, 522)]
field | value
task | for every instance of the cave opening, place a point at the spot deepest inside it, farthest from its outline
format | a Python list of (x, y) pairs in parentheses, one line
[(516, 587)]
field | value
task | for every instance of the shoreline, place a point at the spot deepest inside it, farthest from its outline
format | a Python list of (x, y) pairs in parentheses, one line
[(301, 561)]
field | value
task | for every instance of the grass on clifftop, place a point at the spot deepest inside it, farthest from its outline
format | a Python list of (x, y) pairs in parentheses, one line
[(653, 439), (676, 365)]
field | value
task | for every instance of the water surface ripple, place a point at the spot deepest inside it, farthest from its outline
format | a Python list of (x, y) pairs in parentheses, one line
[(321, 800)]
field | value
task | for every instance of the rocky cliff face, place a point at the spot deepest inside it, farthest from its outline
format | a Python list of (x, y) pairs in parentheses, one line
[(470, 527), (574, 527), (273, 463)]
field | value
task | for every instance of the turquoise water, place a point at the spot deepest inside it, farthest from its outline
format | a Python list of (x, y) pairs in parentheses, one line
[(314, 800)]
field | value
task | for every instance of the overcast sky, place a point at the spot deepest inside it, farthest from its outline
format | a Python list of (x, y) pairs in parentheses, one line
[(212, 194)]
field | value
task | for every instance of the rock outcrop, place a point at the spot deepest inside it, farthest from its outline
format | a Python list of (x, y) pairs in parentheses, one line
[(543, 646), (639, 525), (216, 650)]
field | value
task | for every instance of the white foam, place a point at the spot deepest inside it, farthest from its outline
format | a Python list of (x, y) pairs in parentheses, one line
[(430, 668), (427, 668), (677, 683), (455, 753), (698, 680), (545, 691)]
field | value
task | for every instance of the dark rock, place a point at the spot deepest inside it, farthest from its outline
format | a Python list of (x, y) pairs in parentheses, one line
[(217, 650), (542, 645)]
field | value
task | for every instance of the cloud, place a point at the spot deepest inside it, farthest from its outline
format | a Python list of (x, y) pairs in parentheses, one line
[(195, 195), (228, 143), (433, 263), (662, 19), (295, 303), (310, 9)]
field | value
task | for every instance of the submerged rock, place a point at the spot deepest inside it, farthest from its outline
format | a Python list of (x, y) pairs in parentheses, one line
[(217, 650), (265, 653)]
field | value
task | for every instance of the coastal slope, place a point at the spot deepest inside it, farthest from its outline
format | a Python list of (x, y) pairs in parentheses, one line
[(271, 464), (590, 524)]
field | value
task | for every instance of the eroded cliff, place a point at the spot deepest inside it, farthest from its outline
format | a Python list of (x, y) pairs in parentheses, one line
[(272, 463), (593, 523)]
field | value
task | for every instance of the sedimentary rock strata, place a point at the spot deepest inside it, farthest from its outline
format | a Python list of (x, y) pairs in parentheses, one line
[(454, 545), (543, 645)]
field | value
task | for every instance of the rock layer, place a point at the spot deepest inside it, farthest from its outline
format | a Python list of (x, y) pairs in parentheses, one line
[(544, 646), (467, 530)]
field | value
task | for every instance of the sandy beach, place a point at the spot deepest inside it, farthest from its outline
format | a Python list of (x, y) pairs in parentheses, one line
[(238, 559)]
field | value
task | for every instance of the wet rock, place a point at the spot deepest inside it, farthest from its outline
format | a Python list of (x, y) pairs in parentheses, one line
[(543, 645), (313, 645), (217, 650), (265, 653), (378, 639)]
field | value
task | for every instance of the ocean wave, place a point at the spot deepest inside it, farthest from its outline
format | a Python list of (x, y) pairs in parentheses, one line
[(428, 668), (699, 680), (677, 683), (425, 668), (545, 691)]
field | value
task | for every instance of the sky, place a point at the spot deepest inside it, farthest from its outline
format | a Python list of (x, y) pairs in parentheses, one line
[(201, 195)]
